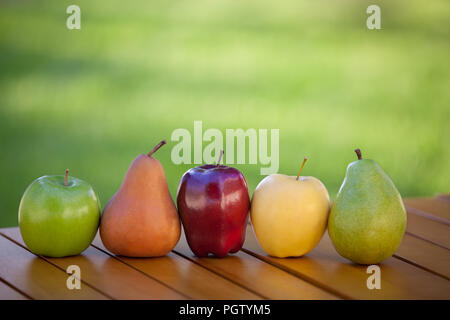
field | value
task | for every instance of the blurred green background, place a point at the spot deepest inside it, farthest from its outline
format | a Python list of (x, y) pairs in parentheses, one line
[(93, 99)]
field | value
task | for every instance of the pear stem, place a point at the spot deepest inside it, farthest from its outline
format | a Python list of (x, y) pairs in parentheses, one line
[(159, 145), (301, 167), (358, 153), (220, 157), (66, 178)]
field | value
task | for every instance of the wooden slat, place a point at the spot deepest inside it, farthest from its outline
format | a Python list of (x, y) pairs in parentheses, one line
[(324, 266), (109, 275), (431, 208), (428, 229), (187, 277), (443, 197), (8, 293), (36, 277), (258, 276), (425, 254)]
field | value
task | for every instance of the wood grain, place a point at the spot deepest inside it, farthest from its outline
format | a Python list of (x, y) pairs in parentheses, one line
[(443, 197), (425, 254), (420, 269), (108, 275), (431, 208), (256, 275), (428, 229), (186, 277), (323, 266), (8, 293), (36, 277)]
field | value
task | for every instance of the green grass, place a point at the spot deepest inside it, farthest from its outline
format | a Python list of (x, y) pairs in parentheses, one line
[(92, 100)]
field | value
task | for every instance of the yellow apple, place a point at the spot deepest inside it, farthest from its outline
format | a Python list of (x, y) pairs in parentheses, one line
[(289, 214)]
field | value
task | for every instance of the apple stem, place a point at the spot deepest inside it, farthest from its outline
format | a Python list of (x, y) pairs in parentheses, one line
[(301, 167), (358, 153), (220, 157), (159, 145), (66, 178)]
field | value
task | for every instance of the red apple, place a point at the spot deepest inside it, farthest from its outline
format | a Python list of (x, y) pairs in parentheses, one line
[(213, 203)]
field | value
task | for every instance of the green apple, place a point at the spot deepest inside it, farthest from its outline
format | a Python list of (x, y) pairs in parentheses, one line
[(59, 216)]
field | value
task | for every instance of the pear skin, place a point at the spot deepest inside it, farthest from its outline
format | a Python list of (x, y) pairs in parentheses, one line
[(368, 219), (141, 219)]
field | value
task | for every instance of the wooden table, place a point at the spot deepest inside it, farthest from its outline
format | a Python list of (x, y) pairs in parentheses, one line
[(419, 270)]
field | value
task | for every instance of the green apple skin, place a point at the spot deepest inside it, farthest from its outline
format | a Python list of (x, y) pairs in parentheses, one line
[(368, 219), (57, 220)]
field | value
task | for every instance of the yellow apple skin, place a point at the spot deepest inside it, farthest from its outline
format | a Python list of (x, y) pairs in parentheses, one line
[(289, 217)]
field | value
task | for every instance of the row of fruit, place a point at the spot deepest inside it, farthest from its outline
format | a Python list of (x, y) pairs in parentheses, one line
[(60, 215)]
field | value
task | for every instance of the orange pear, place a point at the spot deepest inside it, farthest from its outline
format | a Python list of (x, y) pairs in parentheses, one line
[(141, 219)]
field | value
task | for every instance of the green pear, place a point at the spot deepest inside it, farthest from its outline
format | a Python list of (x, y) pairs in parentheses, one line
[(368, 219)]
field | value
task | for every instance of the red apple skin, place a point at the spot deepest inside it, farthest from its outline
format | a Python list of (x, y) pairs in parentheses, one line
[(214, 203)]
